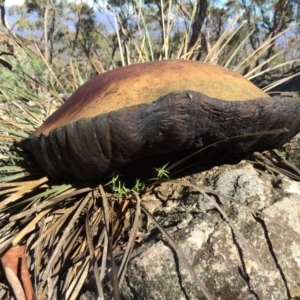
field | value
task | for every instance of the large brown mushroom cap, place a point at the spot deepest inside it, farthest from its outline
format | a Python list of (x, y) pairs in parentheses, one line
[(138, 111), (145, 83)]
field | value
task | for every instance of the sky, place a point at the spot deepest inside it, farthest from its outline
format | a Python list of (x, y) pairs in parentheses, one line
[(20, 2), (13, 2)]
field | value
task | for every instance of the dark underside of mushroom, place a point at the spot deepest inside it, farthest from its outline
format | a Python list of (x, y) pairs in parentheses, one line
[(90, 147)]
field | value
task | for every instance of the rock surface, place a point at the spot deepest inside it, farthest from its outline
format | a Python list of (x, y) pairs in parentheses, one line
[(217, 255), (211, 246)]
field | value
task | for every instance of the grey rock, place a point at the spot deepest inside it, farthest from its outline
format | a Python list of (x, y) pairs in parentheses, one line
[(216, 253)]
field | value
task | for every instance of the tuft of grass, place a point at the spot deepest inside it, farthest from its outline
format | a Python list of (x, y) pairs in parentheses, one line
[(162, 172)]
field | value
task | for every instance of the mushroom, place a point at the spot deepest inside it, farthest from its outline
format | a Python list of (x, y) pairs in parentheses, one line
[(142, 110)]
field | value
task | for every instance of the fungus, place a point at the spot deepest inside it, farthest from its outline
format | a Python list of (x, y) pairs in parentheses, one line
[(141, 110)]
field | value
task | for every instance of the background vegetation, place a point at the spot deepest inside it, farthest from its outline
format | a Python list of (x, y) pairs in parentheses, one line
[(247, 36)]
